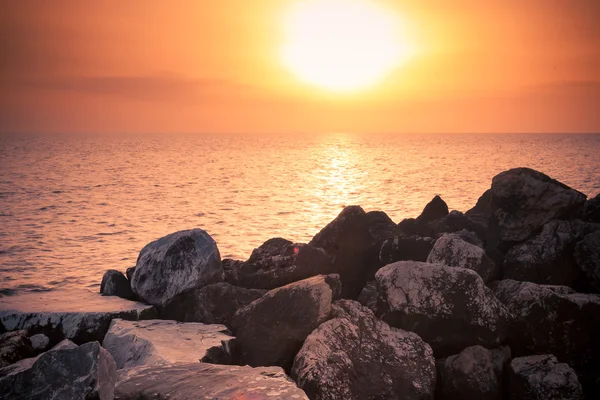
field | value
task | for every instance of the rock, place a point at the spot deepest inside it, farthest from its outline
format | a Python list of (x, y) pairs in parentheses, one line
[(450, 308), (40, 343), (353, 239), (78, 315), (369, 295), (455, 221), (452, 251), (541, 377), (175, 263), (205, 382), (552, 321), (591, 210), (404, 248), (523, 200), (129, 273), (278, 262), (271, 330), (435, 209), (355, 356), (482, 211), (85, 372), (211, 304), (476, 373), (133, 343), (469, 237), (114, 283), (26, 363), (335, 284), (548, 257), (14, 346), (587, 257)]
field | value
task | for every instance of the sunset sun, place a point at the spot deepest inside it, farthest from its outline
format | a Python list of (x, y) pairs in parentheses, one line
[(342, 45)]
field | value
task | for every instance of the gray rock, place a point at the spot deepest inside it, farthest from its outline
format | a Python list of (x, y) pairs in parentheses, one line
[(114, 283), (469, 237), (85, 372), (474, 374), (353, 239), (40, 342), (355, 356), (26, 363), (369, 295), (587, 256), (450, 308), (552, 321), (200, 381), (271, 330), (211, 304), (404, 248), (541, 377), (482, 211), (175, 263), (129, 273), (453, 251), (591, 210), (455, 221), (278, 262), (14, 346), (523, 200), (78, 315), (134, 343)]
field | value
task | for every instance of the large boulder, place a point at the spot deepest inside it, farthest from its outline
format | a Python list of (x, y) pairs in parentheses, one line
[(587, 257), (475, 374), (200, 381), (523, 200), (355, 356), (541, 377), (450, 308), (405, 248), (14, 346), (278, 262), (134, 343), (26, 363), (84, 372), (271, 330), (75, 314), (435, 209), (353, 239), (552, 320), (547, 258), (591, 210), (482, 211), (211, 304), (114, 283), (175, 263), (451, 250)]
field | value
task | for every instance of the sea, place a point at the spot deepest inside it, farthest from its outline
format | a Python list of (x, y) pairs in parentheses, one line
[(73, 206)]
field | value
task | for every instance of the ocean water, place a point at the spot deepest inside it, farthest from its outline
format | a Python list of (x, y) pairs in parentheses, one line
[(72, 207)]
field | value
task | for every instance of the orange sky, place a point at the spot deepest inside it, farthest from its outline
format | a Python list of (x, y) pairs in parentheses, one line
[(214, 66)]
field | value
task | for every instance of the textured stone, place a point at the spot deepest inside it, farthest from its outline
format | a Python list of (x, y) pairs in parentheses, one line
[(14, 346), (40, 342), (26, 363), (587, 256), (114, 283), (405, 248)]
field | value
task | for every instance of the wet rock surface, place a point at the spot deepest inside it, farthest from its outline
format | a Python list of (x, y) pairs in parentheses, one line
[(134, 343), (114, 283), (205, 382), (175, 263), (356, 356)]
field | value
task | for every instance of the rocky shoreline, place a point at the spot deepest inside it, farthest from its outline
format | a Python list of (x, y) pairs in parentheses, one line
[(499, 302)]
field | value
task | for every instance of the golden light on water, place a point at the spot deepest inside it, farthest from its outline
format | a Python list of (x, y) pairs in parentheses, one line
[(343, 45)]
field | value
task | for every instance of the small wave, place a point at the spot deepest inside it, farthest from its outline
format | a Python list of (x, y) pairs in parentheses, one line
[(7, 292)]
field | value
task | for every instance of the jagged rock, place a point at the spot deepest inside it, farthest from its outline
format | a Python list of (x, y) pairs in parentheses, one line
[(548, 257), (482, 211), (435, 209), (40, 343), (276, 263), (404, 248), (450, 308), (271, 330), (133, 343), (591, 210), (114, 283), (474, 374), (14, 346), (452, 251), (369, 295), (205, 382), (175, 263), (85, 372), (78, 315), (26, 363), (353, 239), (541, 377), (355, 356), (211, 304), (129, 274), (587, 256), (523, 200), (550, 320), (455, 221)]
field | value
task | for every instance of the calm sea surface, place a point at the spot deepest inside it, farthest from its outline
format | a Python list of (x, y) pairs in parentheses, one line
[(72, 207)]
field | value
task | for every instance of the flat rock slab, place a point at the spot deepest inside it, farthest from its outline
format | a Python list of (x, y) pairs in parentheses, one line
[(78, 315), (134, 343), (200, 381)]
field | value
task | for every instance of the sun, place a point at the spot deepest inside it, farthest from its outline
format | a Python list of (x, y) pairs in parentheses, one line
[(342, 45)]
